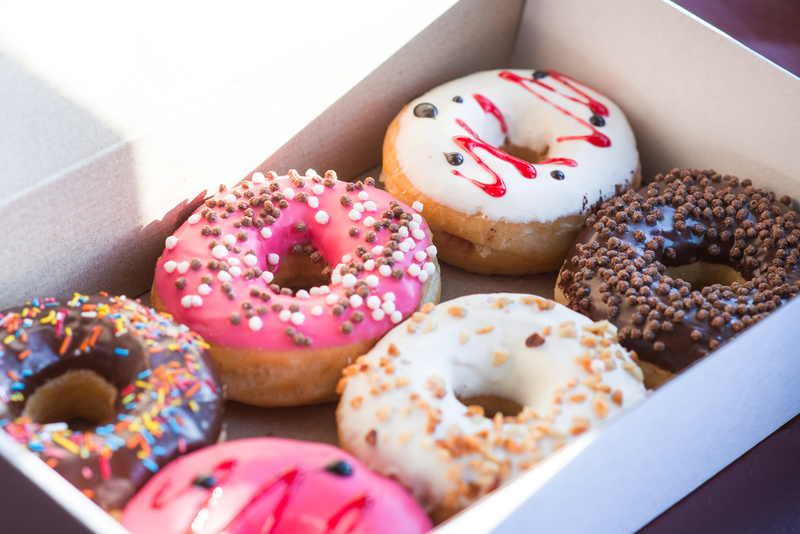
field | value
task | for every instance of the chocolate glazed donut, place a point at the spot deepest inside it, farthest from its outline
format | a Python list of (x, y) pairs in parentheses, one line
[(140, 388), (682, 265)]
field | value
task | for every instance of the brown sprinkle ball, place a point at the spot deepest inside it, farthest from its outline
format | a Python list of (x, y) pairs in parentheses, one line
[(621, 267)]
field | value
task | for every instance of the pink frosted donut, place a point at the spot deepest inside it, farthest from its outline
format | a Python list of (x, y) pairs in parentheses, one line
[(258, 485), (251, 272)]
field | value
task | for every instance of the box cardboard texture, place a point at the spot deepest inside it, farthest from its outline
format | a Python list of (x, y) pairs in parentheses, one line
[(694, 98)]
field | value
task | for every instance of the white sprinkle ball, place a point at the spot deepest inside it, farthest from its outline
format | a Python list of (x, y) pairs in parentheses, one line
[(404, 247), (324, 290), (266, 233), (354, 215), (229, 240), (396, 317), (233, 261), (356, 301), (389, 296), (318, 189), (250, 260), (311, 172), (197, 301), (186, 301), (417, 205), (303, 294), (377, 250), (373, 302), (219, 251), (255, 323), (403, 231), (235, 271), (420, 255), (363, 195), (388, 306), (422, 276), (413, 225), (359, 207), (347, 258), (370, 206), (267, 276), (369, 265), (223, 276), (431, 250), (321, 217), (171, 242), (372, 280), (183, 267), (429, 267), (273, 259), (416, 218), (298, 318), (285, 315), (170, 266), (230, 197), (204, 289), (349, 280), (313, 202), (378, 314), (331, 299), (369, 221), (314, 290), (194, 219), (598, 366), (413, 269), (258, 178), (316, 311), (418, 234), (288, 193), (398, 256), (385, 270)]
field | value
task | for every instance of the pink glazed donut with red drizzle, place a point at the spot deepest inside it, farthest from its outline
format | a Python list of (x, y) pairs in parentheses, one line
[(289, 279), (508, 164), (275, 486)]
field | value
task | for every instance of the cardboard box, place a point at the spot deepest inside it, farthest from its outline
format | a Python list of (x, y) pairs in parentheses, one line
[(163, 127)]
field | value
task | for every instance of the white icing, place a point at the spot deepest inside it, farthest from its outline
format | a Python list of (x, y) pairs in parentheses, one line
[(532, 123), (476, 345)]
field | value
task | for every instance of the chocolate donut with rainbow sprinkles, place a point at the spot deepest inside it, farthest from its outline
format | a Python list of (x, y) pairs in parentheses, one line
[(291, 278), (508, 164)]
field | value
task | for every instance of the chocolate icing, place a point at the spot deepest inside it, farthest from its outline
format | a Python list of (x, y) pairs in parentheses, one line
[(169, 400), (615, 269)]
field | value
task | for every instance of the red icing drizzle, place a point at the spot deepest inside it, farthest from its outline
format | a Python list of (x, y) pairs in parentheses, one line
[(220, 472), (488, 107), (559, 161), (292, 479), (497, 188), (359, 503), (595, 138)]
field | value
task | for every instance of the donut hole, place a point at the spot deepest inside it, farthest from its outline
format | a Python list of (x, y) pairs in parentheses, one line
[(702, 274), (492, 404), (79, 397), (298, 271), (522, 152)]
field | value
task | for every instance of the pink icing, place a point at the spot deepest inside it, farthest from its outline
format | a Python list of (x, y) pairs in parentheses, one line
[(212, 318), (275, 486)]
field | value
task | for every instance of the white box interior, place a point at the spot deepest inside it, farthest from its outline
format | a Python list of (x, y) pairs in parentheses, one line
[(694, 98)]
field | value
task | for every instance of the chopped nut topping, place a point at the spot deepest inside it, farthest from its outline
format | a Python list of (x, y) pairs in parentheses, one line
[(463, 338), (485, 329), (500, 357), (457, 311), (356, 402)]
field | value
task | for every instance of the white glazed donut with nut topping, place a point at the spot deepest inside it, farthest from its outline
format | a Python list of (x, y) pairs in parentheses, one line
[(400, 411)]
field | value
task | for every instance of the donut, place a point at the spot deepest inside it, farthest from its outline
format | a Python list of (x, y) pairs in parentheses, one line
[(251, 272), (105, 391), (408, 407), (274, 485), (682, 265), (508, 164)]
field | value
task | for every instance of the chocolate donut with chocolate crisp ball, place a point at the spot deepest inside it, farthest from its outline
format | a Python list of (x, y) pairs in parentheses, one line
[(682, 265)]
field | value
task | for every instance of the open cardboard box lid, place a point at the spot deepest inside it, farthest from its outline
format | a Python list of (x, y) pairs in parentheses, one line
[(149, 113)]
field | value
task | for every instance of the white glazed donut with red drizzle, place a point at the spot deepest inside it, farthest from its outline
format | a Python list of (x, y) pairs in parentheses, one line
[(275, 486), (408, 408), (508, 164), (222, 273)]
